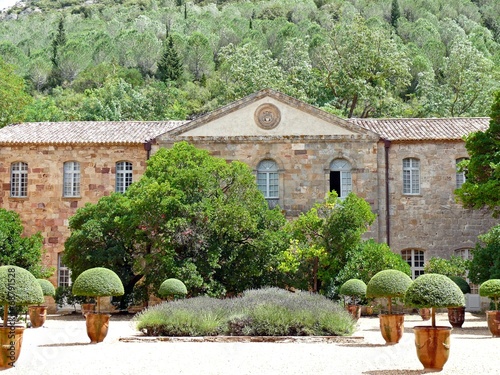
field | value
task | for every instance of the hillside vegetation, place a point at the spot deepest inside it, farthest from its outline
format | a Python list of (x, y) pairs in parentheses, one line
[(170, 59)]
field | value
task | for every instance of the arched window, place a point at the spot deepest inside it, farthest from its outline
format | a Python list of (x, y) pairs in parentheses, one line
[(123, 177), (340, 177), (267, 179), (19, 180), (71, 179), (411, 176), (461, 174), (415, 258)]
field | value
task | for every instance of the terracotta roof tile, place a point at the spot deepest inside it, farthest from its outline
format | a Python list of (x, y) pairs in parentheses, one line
[(86, 132), (420, 129)]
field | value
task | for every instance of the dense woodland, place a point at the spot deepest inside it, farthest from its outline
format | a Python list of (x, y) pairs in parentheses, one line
[(176, 59)]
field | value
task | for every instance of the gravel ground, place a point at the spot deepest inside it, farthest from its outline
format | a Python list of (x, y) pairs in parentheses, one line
[(61, 347)]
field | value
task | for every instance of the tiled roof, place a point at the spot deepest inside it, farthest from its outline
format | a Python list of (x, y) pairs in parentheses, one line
[(421, 129), (85, 132)]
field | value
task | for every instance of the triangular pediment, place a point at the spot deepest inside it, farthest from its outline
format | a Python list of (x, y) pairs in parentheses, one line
[(269, 113)]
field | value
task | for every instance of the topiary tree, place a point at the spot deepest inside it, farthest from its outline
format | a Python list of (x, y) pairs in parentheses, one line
[(354, 289), (433, 291), (47, 287), (18, 287), (462, 283), (491, 289), (388, 284), (98, 282), (172, 288)]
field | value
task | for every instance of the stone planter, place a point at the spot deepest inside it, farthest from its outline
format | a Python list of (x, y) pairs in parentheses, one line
[(392, 327), (433, 346)]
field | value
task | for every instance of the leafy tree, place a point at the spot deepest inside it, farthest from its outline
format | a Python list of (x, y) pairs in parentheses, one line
[(191, 216), (170, 66), (13, 97), (455, 266), (483, 168), (324, 238), (485, 264), (198, 55), (19, 250)]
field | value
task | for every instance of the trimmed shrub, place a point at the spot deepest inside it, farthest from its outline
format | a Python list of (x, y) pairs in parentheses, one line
[(98, 282), (19, 287), (172, 288), (47, 287), (388, 284), (354, 289), (263, 312), (491, 289), (434, 290), (462, 283)]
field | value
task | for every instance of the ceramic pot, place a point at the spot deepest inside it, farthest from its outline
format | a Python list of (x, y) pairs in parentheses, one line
[(456, 316), (392, 327), (433, 346), (11, 340), (354, 310), (493, 317), (424, 313), (97, 326), (38, 315), (88, 308)]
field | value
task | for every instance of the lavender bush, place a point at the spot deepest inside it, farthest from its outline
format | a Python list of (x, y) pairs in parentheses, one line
[(262, 312)]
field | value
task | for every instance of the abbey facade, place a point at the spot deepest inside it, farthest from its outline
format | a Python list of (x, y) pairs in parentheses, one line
[(405, 168)]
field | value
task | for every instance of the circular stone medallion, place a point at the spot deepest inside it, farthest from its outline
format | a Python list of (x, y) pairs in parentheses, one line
[(267, 116)]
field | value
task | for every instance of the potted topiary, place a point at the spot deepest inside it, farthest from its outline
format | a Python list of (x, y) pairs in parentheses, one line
[(18, 287), (456, 315), (97, 282), (491, 289), (38, 313), (172, 288), (354, 290), (433, 342), (389, 284)]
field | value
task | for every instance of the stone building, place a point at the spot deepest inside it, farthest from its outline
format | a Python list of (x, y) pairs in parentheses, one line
[(405, 168)]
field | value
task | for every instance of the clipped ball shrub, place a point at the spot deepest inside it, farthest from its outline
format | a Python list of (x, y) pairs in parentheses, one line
[(172, 288), (434, 290), (491, 289), (388, 284), (462, 284), (19, 287), (98, 282), (353, 288), (47, 287)]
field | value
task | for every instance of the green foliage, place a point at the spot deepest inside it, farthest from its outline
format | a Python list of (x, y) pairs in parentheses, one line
[(25, 252), (433, 290), (18, 287), (263, 312), (47, 287), (462, 283), (485, 263), (172, 288), (98, 282), (63, 296), (455, 266), (491, 289), (483, 168), (354, 289), (169, 67), (388, 283), (13, 97)]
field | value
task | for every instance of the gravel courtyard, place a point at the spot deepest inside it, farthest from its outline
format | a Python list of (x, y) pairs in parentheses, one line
[(61, 347)]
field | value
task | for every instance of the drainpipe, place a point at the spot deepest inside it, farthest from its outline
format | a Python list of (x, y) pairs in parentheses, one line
[(147, 148), (387, 144)]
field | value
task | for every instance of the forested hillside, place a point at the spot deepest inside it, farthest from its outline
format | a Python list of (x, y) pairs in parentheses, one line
[(171, 59)]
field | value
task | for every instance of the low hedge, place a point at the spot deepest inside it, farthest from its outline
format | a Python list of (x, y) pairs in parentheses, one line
[(263, 312)]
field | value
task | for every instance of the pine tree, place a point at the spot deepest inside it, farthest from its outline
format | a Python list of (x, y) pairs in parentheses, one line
[(55, 77), (169, 66)]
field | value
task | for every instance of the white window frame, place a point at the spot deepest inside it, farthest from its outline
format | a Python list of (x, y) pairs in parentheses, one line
[(268, 179), (344, 168), (19, 179), (460, 176), (416, 260), (71, 179), (411, 176), (123, 176), (63, 273)]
